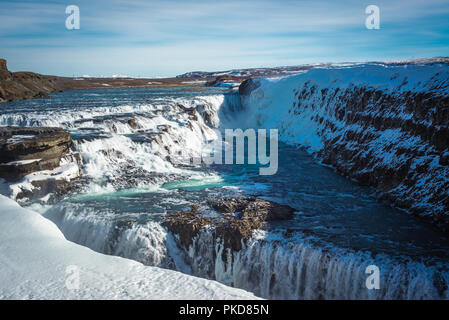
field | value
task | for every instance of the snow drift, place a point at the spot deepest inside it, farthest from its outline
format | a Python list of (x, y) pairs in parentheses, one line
[(37, 262)]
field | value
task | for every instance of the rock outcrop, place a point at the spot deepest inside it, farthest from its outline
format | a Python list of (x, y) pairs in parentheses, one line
[(27, 150), (247, 86), (234, 220), (24, 85)]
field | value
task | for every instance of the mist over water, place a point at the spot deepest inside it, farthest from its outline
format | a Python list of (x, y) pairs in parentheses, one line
[(129, 183)]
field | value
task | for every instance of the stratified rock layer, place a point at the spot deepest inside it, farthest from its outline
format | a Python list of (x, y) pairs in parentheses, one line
[(27, 150)]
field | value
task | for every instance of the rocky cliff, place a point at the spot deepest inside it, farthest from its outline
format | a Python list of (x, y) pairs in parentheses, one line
[(24, 85), (384, 125)]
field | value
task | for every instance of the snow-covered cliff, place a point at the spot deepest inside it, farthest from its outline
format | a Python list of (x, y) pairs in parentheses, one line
[(385, 125)]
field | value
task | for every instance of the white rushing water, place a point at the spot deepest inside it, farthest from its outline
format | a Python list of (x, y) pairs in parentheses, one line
[(299, 270)]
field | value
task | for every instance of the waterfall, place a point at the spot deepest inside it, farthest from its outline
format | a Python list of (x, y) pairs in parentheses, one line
[(298, 270)]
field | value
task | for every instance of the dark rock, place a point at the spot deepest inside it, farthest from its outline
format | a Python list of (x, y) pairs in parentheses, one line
[(133, 123), (248, 208), (208, 114), (181, 106), (236, 220), (247, 86), (242, 216), (19, 146), (186, 225), (4, 72)]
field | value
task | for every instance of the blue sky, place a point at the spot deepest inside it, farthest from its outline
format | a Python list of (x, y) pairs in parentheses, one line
[(155, 38)]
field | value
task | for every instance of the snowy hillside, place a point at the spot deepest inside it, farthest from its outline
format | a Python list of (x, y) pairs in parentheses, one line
[(289, 70), (386, 125), (37, 262)]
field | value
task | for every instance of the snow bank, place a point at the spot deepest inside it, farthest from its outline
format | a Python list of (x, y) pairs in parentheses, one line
[(37, 262), (67, 171)]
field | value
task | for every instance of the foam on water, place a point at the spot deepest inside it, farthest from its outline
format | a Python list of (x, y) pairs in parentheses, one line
[(196, 183)]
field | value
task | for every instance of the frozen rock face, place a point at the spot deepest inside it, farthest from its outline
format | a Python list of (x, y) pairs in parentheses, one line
[(385, 125)]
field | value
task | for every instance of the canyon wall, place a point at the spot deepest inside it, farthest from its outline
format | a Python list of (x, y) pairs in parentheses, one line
[(384, 125)]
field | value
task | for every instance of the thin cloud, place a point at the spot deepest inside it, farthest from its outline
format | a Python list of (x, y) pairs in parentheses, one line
[(173, 36)]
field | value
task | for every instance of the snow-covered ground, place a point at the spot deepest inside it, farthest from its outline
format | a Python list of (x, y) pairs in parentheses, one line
[(37, 262), (270, 72)]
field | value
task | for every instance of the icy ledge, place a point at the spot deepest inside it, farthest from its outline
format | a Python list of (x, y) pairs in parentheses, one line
[(36, 262)]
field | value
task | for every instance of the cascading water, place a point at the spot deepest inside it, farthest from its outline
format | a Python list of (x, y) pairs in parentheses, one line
[(129, 140), (299, 270)]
